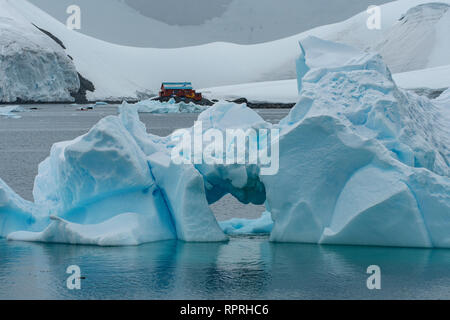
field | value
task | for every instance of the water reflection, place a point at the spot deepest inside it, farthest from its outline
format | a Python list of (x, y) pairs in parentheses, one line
[(244, 268)]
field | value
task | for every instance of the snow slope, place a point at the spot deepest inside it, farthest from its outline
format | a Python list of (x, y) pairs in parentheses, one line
[(33, 67), (119, 71)]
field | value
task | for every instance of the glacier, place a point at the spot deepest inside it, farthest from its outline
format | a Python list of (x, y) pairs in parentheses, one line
[(362, 162), (33, 66)]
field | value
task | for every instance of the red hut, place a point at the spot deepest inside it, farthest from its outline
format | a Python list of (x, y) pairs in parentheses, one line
[(179, 89)]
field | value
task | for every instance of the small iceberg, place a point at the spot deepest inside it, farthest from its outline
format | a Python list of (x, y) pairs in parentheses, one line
[(11, 112), (154, 106), (236, 226)]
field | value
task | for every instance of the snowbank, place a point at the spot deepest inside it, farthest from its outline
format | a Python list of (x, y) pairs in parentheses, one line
[(33, 67), (361, 162)]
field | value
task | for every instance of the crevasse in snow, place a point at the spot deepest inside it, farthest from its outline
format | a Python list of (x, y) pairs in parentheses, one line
[(361, 162)]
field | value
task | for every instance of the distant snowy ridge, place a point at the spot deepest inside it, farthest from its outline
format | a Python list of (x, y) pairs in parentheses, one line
[(120, 72), (32, 66)]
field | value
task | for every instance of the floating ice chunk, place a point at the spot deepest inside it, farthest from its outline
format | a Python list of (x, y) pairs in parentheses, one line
[(154, 106), (262, 225), (11, 112)]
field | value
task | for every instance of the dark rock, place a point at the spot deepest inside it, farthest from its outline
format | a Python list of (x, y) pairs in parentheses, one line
[(85, 85), (53, 37), (264, 105)]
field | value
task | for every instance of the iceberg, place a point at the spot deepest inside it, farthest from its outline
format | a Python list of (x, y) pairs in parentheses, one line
[(361, 162)]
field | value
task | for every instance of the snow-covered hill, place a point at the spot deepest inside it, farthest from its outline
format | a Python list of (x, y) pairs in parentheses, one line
[(118, 71), (33, 67), (181, 23)]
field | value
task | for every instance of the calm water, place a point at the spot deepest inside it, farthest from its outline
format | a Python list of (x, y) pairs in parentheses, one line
[(245, 267)]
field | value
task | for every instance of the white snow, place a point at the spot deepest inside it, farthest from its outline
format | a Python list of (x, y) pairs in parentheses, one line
[(119, 71)]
